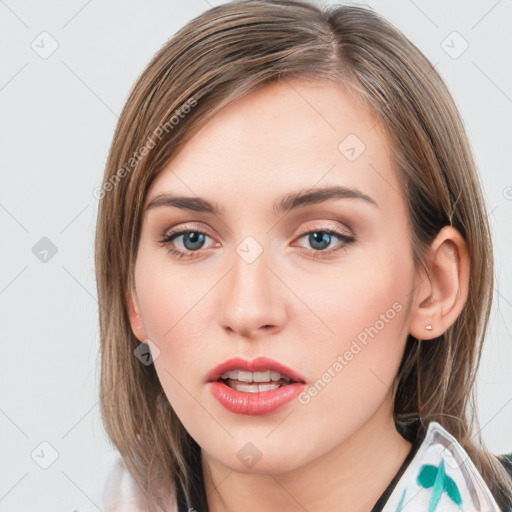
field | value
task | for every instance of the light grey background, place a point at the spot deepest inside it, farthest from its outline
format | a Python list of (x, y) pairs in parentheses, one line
[(57, 119)]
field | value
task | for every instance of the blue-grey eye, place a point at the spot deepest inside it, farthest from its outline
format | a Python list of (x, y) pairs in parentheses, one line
[(196, 240), (322, 238)]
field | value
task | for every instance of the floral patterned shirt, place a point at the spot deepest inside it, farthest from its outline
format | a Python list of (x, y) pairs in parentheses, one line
[(438, 476)]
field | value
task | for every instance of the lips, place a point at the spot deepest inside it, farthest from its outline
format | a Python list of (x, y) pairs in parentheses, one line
[(260, 386)]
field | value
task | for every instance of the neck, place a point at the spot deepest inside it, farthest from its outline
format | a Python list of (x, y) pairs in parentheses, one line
[(350, 477)]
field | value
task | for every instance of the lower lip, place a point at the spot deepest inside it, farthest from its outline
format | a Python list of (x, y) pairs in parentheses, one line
[(255, 404)]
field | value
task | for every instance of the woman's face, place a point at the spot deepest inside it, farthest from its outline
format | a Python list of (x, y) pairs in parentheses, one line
[(265, 276)]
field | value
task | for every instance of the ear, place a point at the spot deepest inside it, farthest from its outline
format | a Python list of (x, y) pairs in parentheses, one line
[(135, 319), (442, 293)]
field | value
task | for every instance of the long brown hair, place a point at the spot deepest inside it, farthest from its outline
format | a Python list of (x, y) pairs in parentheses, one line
[(224, 53)]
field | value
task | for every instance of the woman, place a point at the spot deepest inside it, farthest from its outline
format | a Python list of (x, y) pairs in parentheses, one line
[(293, 267)]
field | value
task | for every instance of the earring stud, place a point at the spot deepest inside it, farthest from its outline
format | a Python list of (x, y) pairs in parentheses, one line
[(428, 327)]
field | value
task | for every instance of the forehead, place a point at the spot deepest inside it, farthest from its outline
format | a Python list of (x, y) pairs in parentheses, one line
[(286, 136)]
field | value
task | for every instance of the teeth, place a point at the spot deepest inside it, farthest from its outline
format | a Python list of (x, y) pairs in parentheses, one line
[(261, 377), (267, 387), (243, 376), (255, 388), (232, 374)]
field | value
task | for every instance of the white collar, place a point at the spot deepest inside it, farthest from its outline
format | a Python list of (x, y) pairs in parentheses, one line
[(440, 477)]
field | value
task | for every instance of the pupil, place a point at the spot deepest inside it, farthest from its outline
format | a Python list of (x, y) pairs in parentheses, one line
[(323, 239), (193, 238)]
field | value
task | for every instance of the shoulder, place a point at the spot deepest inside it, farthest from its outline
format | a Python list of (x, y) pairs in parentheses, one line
[(440, 476), (123, 494), (506, 460), (119, 492)]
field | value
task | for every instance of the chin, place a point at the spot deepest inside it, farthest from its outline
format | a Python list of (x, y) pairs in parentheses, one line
[(251, 461), (275, 466)]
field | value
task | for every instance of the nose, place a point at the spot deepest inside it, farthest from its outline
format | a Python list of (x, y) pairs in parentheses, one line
[(253, 304)]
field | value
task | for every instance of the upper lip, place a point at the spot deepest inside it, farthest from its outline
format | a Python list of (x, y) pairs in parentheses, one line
[(259, 364)]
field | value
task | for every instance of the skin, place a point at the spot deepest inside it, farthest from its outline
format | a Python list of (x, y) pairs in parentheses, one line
[(340, 450)]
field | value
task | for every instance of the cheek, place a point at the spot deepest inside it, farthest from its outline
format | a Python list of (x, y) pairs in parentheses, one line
[(176, 316), (172, 302), (363, 310), (352, 296), (353, 369)]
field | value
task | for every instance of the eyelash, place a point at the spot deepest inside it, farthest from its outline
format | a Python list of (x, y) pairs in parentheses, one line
[(168, 237)]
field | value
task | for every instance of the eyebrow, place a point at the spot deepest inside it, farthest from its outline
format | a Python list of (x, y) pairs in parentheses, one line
[(288, 203)]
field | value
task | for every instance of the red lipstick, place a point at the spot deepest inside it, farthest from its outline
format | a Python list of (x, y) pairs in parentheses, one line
[(257, 393)]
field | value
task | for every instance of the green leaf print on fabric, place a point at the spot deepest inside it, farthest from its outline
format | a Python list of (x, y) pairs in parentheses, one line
[(435, 477), (401, 503)]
